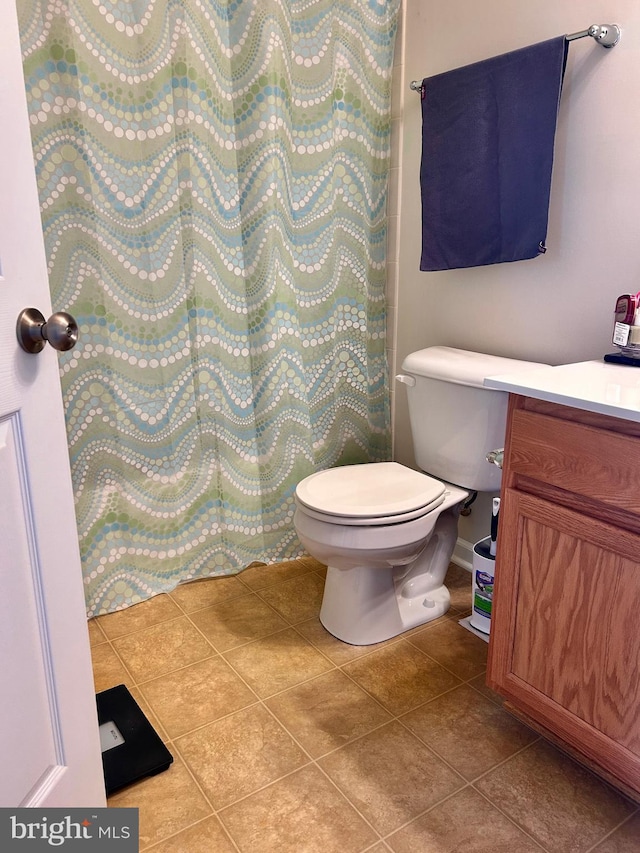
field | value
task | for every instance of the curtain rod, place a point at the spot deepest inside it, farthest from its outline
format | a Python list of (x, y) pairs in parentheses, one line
[(606, 35)]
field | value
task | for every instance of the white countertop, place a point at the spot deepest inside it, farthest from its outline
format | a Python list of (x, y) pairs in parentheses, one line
[(610, 389)]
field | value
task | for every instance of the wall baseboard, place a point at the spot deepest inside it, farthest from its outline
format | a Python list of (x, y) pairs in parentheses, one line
[(463, 554)]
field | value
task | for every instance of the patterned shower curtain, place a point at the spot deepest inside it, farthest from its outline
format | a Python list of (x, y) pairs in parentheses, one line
[(212, 178)]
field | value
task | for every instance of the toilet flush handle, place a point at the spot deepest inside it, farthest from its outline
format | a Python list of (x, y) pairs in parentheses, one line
[(406, 380)]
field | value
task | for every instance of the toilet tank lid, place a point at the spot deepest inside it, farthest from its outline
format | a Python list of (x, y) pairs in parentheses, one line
[(462, 367)]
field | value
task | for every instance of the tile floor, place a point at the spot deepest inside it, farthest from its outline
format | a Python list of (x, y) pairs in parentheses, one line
[(286, 740)]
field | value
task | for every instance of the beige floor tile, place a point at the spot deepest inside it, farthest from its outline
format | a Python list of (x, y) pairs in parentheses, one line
[(479, 683), (168, 803), (154, 610), (400, 677), (277, 662), (239, 621), (313, 564), (471, 733), (196, 695), (390, 777), (196, 595), (297, 599), (465, 822), (327, 712), (335, 649), (108, 670), (208, 836), (461, 614), (151, 717), (564, 807), (162, 648), (331, 715), (457, 649), (259, 577), (450, 614), (459, 581), (626, 839), (302, 813), (240, 754), (96, 634)]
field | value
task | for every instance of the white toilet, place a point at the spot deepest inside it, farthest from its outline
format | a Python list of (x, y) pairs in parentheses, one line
[(387, 532)]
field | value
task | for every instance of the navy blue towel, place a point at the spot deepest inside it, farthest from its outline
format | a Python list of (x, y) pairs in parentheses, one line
[(487, 151)]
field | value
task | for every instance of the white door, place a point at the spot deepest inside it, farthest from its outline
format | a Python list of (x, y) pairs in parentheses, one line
[(48, 723)]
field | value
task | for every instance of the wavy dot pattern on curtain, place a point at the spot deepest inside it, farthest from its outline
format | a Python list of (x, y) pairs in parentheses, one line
[(212, 178)]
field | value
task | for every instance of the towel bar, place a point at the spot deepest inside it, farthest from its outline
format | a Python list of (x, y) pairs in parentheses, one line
[(607, 35)]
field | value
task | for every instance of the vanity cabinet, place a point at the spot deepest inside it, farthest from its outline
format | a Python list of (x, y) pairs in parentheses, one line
[(565, 636)]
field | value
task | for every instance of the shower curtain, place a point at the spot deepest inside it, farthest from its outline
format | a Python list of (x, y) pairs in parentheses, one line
[(212, 179)]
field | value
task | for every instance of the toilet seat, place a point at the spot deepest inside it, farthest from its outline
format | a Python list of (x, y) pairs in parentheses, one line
[(371, 494)]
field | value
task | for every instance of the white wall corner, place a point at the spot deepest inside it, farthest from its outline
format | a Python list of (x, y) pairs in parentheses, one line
[(463, 554)]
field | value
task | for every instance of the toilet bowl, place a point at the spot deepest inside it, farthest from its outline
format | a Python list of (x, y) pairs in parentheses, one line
[(386, 534)]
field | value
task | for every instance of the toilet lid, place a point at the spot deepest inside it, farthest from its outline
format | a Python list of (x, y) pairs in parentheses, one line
[(371, 490)]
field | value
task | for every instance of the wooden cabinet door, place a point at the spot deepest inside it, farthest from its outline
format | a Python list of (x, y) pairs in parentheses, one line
[(565, 641)]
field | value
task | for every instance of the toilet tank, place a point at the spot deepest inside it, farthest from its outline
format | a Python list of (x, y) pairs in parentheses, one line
[(455, 420)]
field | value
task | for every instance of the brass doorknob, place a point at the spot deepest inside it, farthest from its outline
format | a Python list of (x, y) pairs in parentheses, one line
[(33, 331)]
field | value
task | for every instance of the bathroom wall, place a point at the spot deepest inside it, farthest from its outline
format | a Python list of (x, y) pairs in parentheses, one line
[(556, 308)]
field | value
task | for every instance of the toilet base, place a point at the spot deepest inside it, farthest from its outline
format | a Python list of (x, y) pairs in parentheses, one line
[(363, 607), (383, 579)]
